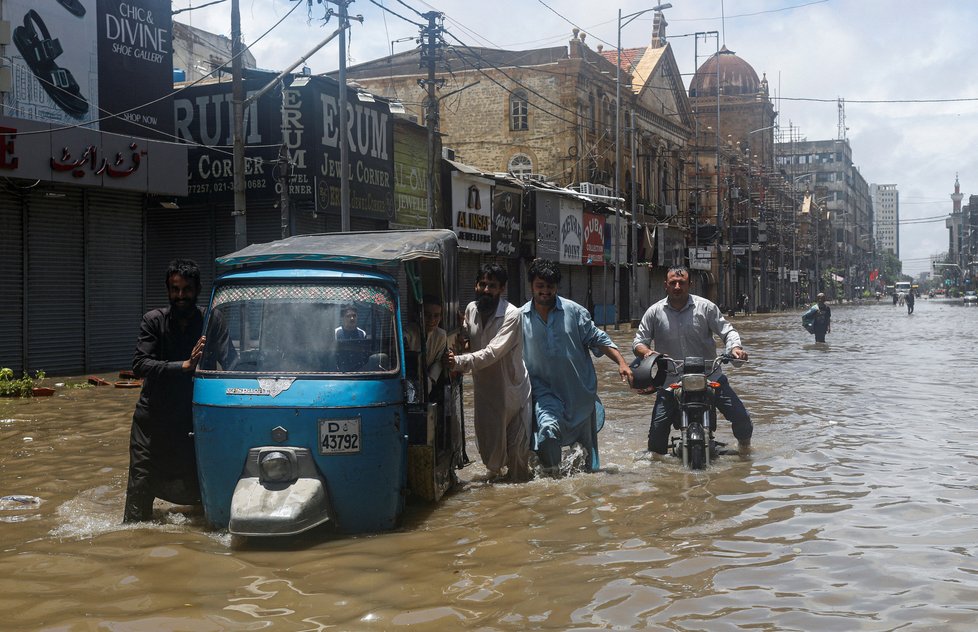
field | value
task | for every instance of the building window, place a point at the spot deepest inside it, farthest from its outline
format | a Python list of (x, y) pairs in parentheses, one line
[(591, 114), (520, 166), (518, 109)]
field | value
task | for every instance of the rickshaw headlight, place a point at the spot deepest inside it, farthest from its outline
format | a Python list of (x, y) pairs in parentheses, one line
[(694, 383), (276, 467)]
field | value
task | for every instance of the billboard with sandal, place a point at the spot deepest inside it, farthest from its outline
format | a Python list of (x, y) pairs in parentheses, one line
[(106, 64)]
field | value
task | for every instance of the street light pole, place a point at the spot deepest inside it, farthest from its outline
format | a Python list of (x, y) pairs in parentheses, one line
[(628, 19)]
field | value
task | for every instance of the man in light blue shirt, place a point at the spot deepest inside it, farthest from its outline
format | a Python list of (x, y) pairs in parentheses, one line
[(683, 325), (557, 336)]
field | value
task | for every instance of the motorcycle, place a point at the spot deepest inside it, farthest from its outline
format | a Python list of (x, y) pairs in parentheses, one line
[(695, 395)]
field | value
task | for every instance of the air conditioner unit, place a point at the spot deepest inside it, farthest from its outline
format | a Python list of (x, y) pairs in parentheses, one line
[(447, 153), (670, 210), (587, 188), (600, 189), (640, 208)]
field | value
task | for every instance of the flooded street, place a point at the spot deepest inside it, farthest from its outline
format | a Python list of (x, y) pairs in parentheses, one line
[(857, 511)]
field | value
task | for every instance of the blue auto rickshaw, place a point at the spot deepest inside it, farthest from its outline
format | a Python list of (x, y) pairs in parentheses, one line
[(300, 419)]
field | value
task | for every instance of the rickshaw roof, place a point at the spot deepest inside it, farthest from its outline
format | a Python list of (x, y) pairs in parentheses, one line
[(375, 248)]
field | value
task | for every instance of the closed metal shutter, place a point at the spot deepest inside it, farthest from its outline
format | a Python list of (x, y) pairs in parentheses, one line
[(469, 263), (603, 277), (55, 282), (115, 278), (12, 276), (573, 285), (177, 234)]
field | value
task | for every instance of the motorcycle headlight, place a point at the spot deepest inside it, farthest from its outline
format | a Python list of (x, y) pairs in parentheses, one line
[(694, 383), (276, 467)]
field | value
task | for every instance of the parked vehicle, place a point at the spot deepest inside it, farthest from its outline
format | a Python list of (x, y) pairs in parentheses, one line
[(970, 298), (314, 424), (697, 422)]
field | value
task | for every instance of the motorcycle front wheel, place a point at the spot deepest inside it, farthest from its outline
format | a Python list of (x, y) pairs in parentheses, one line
[(697, 456)]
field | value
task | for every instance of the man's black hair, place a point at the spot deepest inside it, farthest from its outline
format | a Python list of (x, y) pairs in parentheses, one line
[(680, 270), (493, 271), (348, 307), (187, 268), (430, 299), (545, 269)]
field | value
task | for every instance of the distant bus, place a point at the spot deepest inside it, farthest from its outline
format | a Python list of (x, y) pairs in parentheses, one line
[(901, 287)]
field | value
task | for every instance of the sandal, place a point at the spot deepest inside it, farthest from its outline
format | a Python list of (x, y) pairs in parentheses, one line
[(40, 53), (74, 7)]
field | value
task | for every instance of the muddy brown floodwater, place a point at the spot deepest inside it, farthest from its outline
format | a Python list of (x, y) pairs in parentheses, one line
[(857, 511)]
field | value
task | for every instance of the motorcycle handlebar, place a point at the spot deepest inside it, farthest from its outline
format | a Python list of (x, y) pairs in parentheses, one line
[(723, 358)]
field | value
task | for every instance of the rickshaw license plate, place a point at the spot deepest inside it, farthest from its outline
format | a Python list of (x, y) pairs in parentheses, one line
[(339, 436)]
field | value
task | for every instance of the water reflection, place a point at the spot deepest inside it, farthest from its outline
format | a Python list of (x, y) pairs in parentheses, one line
[(857, 511)]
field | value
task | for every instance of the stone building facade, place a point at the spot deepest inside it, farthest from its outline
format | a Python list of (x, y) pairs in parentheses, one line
[(551, 116)]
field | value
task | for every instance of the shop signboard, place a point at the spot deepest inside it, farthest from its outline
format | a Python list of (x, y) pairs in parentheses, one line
[(506, 221), (701, 258), (571, 231), (309, 114), (472, 211), (593, 237), (86, 157)]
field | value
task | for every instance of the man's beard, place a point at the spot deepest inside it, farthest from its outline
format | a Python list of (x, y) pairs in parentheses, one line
[(486, 302), (183, 308)]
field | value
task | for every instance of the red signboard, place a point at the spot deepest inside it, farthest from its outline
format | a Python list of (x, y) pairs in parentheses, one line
[(593, 254)]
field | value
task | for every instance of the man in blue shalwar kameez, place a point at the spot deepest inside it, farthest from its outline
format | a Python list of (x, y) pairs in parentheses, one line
[(557, 336)]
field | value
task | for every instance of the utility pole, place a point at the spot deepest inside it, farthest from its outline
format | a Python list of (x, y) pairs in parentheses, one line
[(238, 158), (430, 56), (344, 134), (634, 302)]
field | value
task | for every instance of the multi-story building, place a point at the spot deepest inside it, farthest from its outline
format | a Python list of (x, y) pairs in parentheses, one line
[(886, 213), (843, 205)]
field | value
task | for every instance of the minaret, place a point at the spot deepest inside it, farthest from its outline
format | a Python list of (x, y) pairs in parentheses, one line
[(956, 196)]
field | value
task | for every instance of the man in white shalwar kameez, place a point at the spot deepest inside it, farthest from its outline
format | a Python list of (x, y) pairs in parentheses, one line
[(503, 409)]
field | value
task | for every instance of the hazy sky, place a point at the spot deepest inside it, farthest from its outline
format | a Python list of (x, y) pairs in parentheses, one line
[(902, 68)]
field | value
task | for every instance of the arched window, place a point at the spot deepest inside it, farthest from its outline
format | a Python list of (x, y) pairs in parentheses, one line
[(520, 166), (518, 111)]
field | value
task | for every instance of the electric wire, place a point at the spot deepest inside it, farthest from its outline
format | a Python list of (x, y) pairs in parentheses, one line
[(396, 14)]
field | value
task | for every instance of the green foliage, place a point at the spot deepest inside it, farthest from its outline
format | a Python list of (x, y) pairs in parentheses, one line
[(891, 268), (23, 387)]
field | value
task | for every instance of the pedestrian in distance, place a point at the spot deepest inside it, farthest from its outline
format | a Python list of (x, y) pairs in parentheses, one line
[(911, 299), (680, 325), (818, 318), (162, 460), (493, 328), (558, 340)]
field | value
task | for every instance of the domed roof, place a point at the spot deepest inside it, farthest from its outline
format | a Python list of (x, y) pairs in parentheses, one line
[(736, 76)]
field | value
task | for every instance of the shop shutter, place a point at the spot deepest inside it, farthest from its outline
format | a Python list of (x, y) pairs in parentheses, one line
[(12, 274), (185, 233), (55, 282), (115, 278), (574, 284), (469, 263)]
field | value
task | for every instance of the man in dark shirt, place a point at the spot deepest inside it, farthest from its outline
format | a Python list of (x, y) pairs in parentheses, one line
[(162, 461)]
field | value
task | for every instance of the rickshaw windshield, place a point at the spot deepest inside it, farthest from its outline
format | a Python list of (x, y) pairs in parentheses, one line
[(299, 328)]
